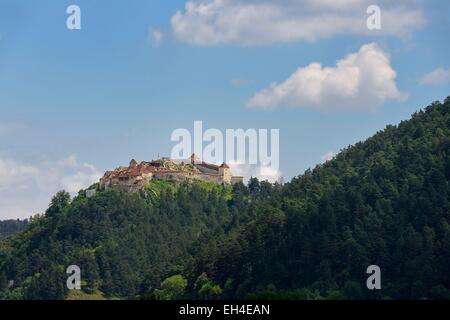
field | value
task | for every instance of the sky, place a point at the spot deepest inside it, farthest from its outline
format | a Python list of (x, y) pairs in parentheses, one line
[(77, 102)]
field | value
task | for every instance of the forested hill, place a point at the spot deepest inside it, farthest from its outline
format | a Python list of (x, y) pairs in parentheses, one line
[(9, 227), (385, 202)]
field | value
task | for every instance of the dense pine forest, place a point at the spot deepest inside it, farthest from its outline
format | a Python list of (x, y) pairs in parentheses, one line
[(384, 201), (10, 227)]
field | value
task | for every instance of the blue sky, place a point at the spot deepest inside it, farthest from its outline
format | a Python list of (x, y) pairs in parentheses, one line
[(75, 103)]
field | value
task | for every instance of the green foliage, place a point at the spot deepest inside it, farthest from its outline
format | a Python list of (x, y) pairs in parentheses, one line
[(10, 227), (58, 204), (172, 288), (206, 289), (440, 293), (124, 243), (81, 295), (155, 187), (385, 201)]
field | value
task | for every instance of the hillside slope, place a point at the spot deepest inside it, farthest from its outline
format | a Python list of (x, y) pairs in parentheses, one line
[(385, 201), (124, 243), (10, 227)]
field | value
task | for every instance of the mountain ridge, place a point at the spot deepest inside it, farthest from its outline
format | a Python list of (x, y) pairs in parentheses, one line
[(384, 201)]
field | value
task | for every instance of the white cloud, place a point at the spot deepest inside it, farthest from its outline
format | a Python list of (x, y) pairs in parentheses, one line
[(327, 156), (360, 81), (26, 189), (255, 171), (436, 77), (156, 37), (264, 22)]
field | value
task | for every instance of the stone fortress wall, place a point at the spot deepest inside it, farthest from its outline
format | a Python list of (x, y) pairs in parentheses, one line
[(136, 176)]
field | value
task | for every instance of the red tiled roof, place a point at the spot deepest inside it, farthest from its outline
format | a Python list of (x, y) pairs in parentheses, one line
[(149, 167), (209, 165)]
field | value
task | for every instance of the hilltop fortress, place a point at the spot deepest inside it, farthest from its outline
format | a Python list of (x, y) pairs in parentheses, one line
[(135, 176)]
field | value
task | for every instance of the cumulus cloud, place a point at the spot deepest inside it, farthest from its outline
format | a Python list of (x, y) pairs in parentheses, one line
[(26, 188), (436, 77), (264, 22), (361, 80), (254, 171)]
